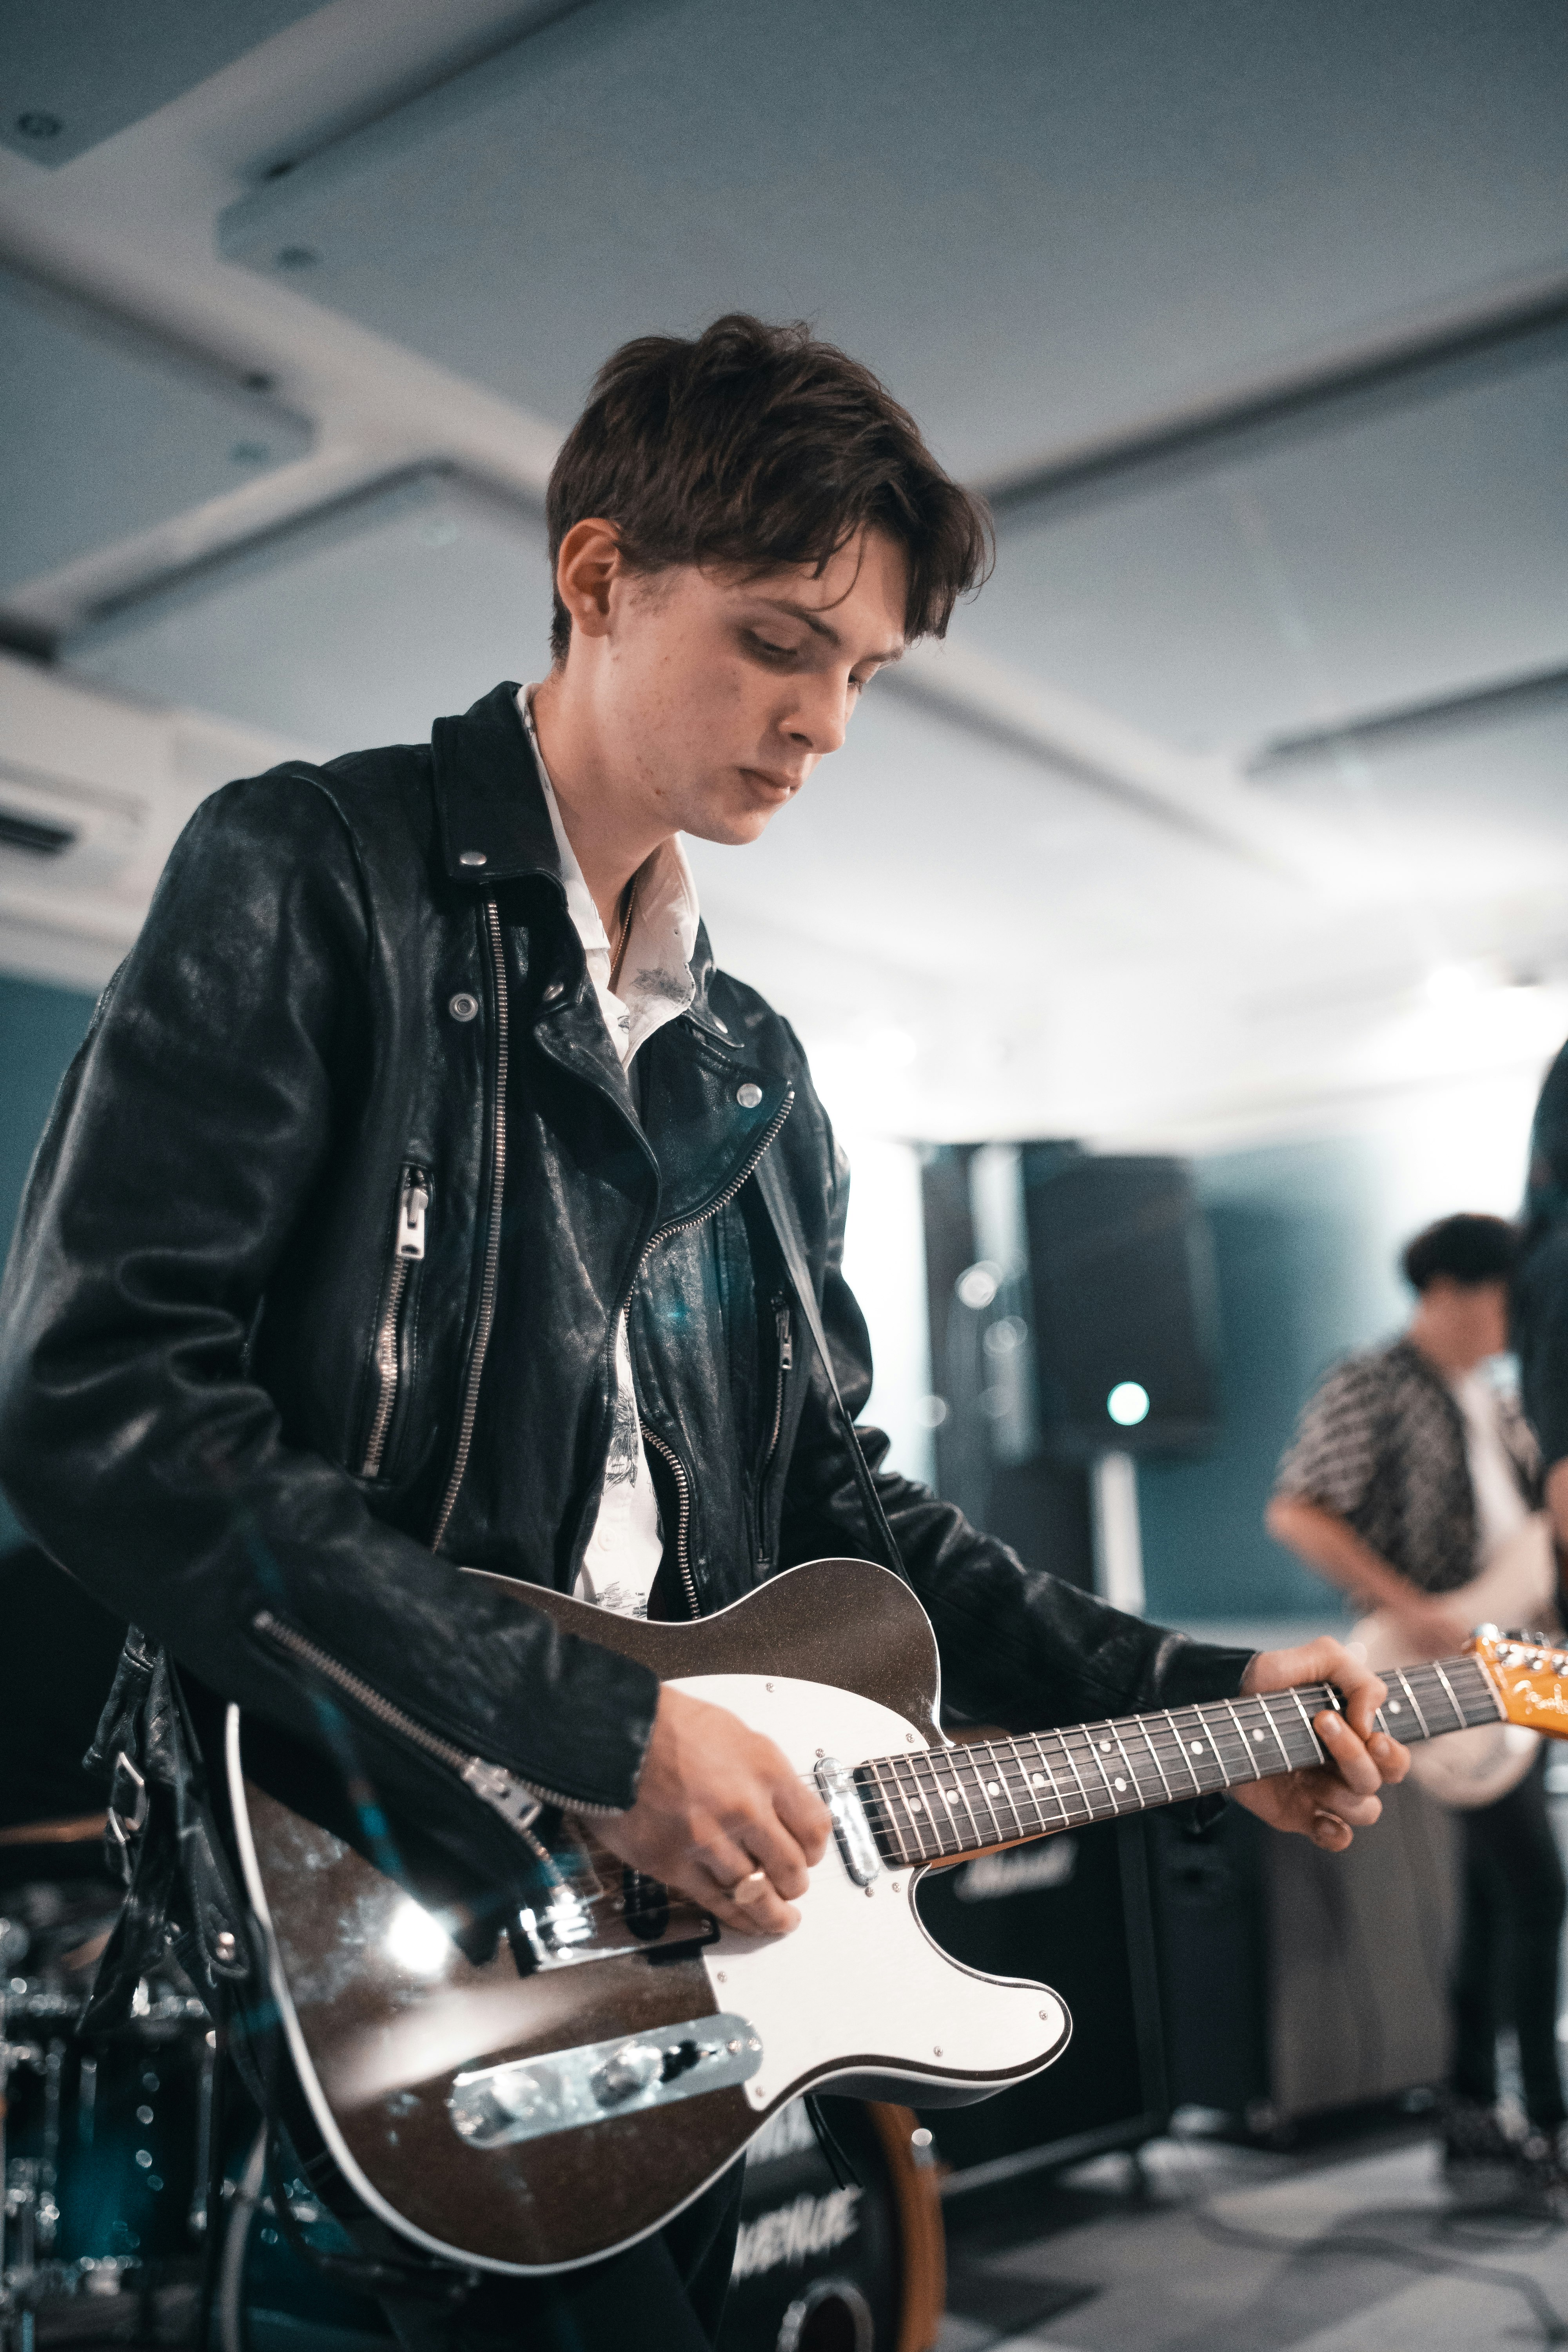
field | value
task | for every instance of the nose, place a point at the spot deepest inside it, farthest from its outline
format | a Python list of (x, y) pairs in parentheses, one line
[(821, 713)]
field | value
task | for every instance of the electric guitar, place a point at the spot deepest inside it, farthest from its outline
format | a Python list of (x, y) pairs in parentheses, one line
[(561, 2094)]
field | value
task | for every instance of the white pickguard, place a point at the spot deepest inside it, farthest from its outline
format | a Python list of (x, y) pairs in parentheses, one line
[(860, 1979)]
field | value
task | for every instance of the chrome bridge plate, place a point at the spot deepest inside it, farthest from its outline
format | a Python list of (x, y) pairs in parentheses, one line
[(561, 2090)]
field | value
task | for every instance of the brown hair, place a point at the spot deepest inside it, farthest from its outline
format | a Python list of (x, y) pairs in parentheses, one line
[(759, 446)]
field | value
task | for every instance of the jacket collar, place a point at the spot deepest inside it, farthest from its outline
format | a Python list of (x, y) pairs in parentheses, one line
[(495, 827)]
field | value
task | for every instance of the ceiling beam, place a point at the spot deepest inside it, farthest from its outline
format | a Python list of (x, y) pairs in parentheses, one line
[(1487, 705), (1520, 326)]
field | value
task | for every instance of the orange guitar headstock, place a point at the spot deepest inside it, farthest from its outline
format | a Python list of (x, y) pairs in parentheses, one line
[(1528, 1672)]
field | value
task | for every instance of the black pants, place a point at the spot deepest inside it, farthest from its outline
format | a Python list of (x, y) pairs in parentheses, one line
[(1514, 1899)]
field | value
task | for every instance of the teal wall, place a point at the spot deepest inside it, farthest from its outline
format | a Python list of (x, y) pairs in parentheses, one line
[(1305, 1236), (40, 1029)]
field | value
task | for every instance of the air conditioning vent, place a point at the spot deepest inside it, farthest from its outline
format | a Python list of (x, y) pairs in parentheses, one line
[(35, 835)]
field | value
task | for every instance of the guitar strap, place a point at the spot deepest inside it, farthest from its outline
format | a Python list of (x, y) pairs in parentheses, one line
[(769, 1179)]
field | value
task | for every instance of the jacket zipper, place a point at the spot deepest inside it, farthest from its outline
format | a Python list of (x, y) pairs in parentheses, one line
[(666, 1451), (784, 1329), (518, 1801), (408, 1249), (678, 1471), (487, 1314)]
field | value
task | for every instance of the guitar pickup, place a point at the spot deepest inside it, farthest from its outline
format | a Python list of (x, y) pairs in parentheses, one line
[(850, 1826), (561, 2090)]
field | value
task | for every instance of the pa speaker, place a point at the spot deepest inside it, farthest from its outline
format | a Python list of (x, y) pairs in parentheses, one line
[(1122, 1285)]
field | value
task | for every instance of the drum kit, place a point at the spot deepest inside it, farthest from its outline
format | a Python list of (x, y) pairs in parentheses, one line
[(106, 2157), (103, 2149)]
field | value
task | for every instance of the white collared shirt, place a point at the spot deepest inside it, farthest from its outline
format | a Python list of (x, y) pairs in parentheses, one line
[(624, 1550)]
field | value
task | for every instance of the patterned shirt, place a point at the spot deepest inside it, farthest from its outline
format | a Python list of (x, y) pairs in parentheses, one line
[(1381, 1442)]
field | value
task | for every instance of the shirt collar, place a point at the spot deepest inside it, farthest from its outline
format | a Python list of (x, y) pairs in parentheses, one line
[(656, 977)]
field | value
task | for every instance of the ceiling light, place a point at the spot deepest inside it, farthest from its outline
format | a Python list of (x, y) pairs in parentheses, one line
[(1128, 1403)]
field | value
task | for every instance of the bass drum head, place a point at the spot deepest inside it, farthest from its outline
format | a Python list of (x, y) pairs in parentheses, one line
[(822, 2266)]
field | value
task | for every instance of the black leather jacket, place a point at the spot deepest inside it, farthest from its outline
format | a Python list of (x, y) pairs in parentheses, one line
[(242, 1420)]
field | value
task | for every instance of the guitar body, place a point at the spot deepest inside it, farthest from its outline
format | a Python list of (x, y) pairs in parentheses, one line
[(1517, 1587), (460, 2098)]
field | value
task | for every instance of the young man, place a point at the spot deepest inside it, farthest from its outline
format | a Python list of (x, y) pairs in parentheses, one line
[(398, 1212), (1408, 1471)]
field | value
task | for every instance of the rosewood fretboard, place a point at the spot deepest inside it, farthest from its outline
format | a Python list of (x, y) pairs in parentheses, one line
[(951, 1801)]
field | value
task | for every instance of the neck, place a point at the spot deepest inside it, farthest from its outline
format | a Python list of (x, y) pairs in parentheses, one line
[(611, 837), (942, 1804)]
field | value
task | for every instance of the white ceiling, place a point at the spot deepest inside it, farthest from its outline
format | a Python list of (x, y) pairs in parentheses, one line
[(1040, 890)]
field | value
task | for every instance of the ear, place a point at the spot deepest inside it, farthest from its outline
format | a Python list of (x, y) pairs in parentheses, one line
[(586, 571)]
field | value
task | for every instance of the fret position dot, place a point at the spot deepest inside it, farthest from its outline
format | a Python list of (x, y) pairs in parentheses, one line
[(1393, 1707), (1105, 1747), (1258, 1737), (993, 1788), (914, 1804), (1197, 1748), (951, 1794), (1038, 1782), (1122, 1784)]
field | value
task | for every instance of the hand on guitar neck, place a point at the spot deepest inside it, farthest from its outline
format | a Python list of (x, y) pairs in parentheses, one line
[(1327, 1805), (717, 1805)]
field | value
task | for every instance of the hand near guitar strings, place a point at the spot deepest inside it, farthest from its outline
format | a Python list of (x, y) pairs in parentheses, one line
[(1330, 1802), (721, 1815)]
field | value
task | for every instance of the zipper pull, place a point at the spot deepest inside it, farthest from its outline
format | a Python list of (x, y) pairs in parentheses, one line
[(786, 1339), (411, 1208)]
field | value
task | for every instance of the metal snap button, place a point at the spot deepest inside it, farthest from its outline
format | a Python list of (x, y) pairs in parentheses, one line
[(463, 1007), (472, 858), (554, 992), (748, 1096)]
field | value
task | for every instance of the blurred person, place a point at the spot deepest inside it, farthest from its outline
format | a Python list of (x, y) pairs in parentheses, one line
[(1539, 1317), (373, 999), (1410, 1471)]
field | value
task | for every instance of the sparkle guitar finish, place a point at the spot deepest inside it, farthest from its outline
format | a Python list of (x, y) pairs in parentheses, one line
[(545, 2105)]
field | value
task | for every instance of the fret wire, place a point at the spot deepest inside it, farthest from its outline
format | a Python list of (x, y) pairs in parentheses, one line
[(999, 1762), (1420, 1717), (1077, 1776), (1092, 1744), (1245, 1744), (983, 1788), (1131, 1774), (1057, 1798), (1461, 1721), (1181, 1743), (899, 1764), (894, 1823), (929, 1763), (1023, 1795), (1143, 1723), (1214, 1751), (1267, 1713), (1307, 1725), (960, 1756)]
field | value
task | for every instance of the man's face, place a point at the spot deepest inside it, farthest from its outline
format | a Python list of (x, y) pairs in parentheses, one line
[(722, 693), (1474, 1314)]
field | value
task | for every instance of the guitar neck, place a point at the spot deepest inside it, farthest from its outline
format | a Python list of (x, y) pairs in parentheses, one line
[(936, 1803)]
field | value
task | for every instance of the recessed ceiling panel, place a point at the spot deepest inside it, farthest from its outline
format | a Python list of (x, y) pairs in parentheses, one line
[(358, 627), (102, 434), (74, 71), (1037, 218), (1388, 563)]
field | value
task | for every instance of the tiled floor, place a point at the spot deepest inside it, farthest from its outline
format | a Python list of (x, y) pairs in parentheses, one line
[(1232, 2250)]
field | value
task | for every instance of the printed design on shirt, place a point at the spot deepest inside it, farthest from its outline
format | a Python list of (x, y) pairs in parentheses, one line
[(669, 987)]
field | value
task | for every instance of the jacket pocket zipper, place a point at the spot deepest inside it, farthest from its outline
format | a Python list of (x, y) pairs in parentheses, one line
[(785, 1330), (409, 1250), (517, 1801)]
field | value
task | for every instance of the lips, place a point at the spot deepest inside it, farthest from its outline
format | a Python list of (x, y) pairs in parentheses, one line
[(783, 786)]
